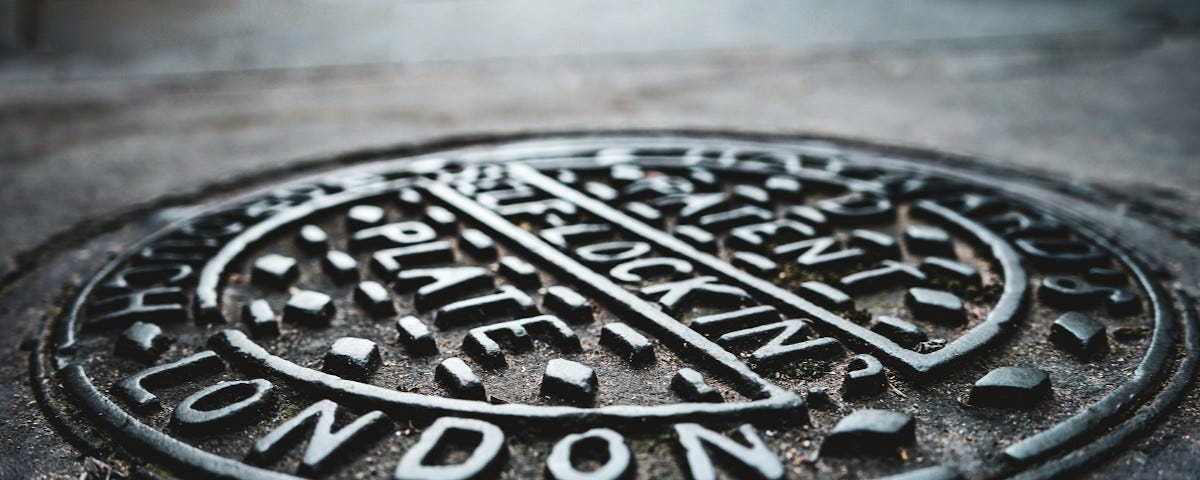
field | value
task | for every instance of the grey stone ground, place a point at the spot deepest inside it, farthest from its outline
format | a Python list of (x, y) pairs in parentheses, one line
[(121, 102)]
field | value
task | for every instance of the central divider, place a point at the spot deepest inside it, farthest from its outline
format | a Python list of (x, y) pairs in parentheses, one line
[(687, 342), (913, 363)]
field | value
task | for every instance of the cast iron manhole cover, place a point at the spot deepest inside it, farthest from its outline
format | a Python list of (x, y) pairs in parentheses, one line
[(601, 307)]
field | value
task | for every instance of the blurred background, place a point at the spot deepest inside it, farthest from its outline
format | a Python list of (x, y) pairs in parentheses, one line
[(109, 104)]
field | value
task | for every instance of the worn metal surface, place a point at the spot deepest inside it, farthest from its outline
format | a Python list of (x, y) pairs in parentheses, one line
[(984, 356)]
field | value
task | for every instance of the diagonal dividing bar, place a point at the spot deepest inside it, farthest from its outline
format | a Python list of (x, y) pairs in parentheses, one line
[(689, 342), (766, 291)]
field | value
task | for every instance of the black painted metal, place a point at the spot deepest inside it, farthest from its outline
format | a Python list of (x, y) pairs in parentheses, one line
[(1093, 431)]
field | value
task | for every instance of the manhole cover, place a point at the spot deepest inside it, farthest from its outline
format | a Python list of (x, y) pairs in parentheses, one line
[(601, 307)]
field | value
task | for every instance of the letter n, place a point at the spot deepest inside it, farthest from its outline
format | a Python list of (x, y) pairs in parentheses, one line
[(324, 444), (755, 460)]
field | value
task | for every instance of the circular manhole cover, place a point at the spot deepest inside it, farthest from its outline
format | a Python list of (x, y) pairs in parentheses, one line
[(600, 307)]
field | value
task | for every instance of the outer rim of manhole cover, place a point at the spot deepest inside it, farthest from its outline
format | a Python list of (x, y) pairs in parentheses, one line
[(1071, 444)]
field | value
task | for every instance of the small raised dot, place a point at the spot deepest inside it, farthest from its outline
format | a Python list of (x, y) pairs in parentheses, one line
[(938, 267), (625, 173), (477, 244), (782, 187), (755, 264), (936, 306), (628, 343), (1010, 387), (1078, 333), (600, 191), (275, 270), (904, 333), (374, 298), (352, 358), (364, 216), (697, 237), (459, 380), (312, 239), (518, 271), (569, 381), (259, 315), (690, 386), (751, 194), (415, 336), (143, 342), (310, 308), (929, 240), (878, 432), (409, 200), (442, 220), (340, 266), (644, 212), (877, 242), (825, 296), (568, 177), (567, 304)]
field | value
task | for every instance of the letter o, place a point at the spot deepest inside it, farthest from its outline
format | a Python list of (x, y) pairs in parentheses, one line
[(620, 461), (193, 412)]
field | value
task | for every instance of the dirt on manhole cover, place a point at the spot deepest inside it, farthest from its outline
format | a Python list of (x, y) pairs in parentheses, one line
[(624, 306)]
